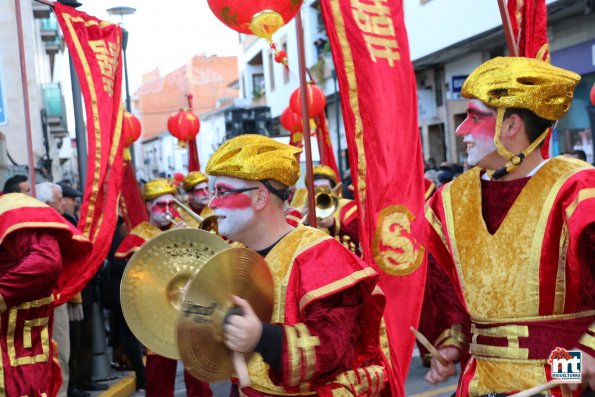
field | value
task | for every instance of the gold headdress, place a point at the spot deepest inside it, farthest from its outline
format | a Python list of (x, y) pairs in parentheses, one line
[(518, 82), (256, 157), (325, 171), (157, 187), (194, 178)]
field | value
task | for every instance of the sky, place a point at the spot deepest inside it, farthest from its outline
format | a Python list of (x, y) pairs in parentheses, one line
[(166, 34)]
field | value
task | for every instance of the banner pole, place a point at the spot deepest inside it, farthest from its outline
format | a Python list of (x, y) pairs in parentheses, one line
[(507, 26), (305, 118), (25, 85)]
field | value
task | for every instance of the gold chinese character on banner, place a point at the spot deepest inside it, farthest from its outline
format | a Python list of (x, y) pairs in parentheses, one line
[(108, 64), (374, 20)]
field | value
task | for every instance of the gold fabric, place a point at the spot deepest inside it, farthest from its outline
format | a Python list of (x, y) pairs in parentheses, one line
[(157, 187), (194, 178), (518, 82), (325, 171), (453, 336), (255, 158)]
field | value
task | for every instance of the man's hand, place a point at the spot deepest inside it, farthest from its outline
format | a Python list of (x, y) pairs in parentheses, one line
[(325, 222), (242, 333), (588, 373), (75, 311), (438, 372)]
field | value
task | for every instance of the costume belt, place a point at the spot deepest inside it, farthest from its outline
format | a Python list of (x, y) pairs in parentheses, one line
[(525, 341)]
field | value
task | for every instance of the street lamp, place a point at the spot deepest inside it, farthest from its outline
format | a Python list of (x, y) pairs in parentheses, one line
[(121, 11)]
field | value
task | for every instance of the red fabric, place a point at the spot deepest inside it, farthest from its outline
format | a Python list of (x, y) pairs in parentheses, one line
[(496, 199), (30, 264), (193, 163), (96, 50), (129, 245), (21, 215), (378, 98), (293, 216), (324, 140), (132, 205), (529, 26)]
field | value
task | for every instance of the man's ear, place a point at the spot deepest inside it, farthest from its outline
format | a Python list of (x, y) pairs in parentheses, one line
[(512, 125), (261, 198), (148, 205)]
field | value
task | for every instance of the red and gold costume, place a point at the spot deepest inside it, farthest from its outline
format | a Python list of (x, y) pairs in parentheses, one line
[(330, 321), (38, 247), (519, 252), (160, 371)]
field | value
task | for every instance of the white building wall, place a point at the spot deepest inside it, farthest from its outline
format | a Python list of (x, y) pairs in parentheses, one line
[(15, 130)]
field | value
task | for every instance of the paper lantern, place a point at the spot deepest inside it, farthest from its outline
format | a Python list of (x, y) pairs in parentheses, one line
[(316, 100), (184, 125), (592, 95), (131, 129), (291, 121)]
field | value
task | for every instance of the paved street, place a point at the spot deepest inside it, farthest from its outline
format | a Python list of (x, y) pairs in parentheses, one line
[(416, 386)]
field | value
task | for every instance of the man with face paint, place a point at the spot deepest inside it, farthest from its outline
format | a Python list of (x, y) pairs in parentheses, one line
[(196, 184), (160, 371), (341, 224), (515, 235), (324, 335)]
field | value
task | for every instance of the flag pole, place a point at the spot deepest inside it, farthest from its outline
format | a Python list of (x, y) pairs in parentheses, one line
[(507, 25), (305, 118), (24, 82)]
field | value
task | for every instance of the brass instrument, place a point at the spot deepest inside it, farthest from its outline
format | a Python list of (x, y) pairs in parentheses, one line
[(327, 200), (209, 223), (154, 282)]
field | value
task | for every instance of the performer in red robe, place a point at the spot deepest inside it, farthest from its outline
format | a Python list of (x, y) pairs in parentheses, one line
[(516, 236), (160, 371), (342, 224), (325, 332), (37, 245)]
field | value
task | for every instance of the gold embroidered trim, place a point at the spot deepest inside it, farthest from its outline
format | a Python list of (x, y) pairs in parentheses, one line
[(2, 304), (511, 332), (560, 291), (436, 224), (566, 316), (307, 343), (336, 286), (293, 355), (583, 194), (452, 336)]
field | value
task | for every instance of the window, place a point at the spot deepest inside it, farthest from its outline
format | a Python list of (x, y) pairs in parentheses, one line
[(258, 86)]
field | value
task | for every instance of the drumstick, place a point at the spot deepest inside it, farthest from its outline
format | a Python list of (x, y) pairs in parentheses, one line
[(536, 390), (239, 364), (426, 343)]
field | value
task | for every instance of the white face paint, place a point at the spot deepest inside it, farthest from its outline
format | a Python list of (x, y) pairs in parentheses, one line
[(323, 182), (200, 194), (478, 131), (235, 208), (160, 210)]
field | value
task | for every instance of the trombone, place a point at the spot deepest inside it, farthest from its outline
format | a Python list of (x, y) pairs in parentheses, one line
[(326, 201), (209, 223)]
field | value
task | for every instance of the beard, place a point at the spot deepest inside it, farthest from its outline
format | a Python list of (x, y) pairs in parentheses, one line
[(235, 221)]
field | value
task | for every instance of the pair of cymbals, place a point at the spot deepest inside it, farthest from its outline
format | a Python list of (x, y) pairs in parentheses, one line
[(177, 289)]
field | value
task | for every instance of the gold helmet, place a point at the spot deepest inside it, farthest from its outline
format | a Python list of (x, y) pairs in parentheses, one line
[(255, 158), (194, 178), (518, 82), (325, 171), (157, 187)]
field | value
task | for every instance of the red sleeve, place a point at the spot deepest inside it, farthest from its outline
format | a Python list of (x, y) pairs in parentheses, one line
[(35, 269), (327, 339)]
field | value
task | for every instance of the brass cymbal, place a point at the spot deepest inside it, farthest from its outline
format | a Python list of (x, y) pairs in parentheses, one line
[(153, 280), (236, 271)]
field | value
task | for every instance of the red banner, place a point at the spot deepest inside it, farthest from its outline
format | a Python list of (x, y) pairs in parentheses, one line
[(96, 48), (132, 205), (529, 26), (528, 19), (327, 154), (378, 97)]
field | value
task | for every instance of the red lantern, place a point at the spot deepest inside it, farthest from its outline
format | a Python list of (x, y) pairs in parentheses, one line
[(316, 100), (291, 121), (259, 17), (184, 125), (131, 129), (593, 95)]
